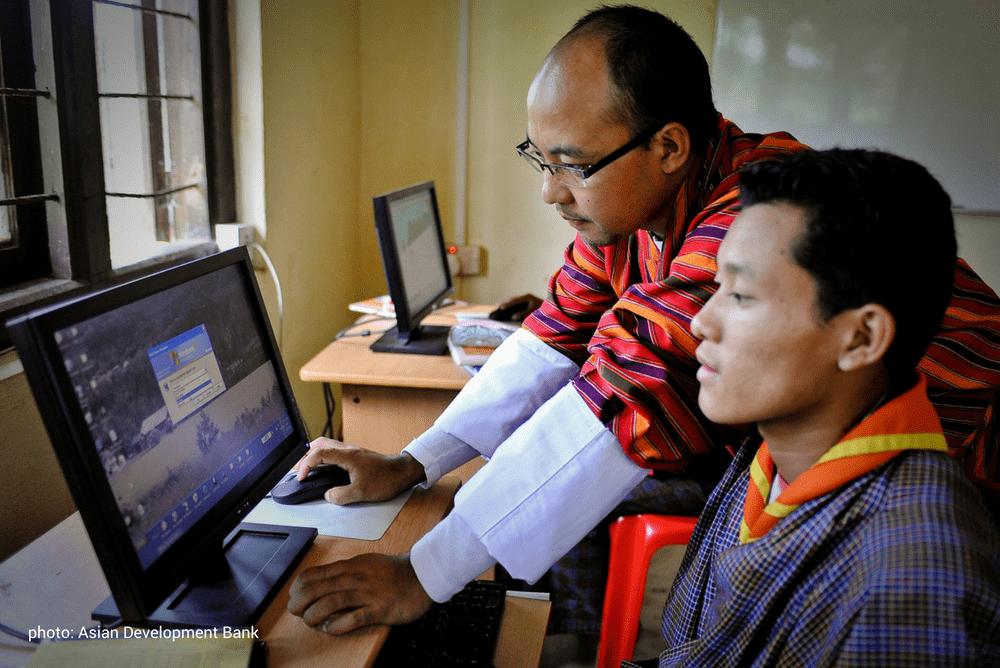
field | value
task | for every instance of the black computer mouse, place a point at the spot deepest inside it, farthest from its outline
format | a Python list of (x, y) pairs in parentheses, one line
[(507, 313), (321, 478)]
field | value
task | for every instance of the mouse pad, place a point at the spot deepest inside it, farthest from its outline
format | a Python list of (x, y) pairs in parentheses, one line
[(365, 521)]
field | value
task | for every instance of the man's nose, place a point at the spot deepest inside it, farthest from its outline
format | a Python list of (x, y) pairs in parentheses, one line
[(554, 191), (703, 323)]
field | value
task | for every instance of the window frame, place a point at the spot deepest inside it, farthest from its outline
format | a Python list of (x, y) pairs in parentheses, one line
[(77, 226)]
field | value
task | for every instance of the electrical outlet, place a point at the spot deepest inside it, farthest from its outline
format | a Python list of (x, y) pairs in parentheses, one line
[(470, 260)]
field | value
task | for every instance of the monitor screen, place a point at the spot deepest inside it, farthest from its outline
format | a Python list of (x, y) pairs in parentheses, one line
[(416, 268), (171, 416)]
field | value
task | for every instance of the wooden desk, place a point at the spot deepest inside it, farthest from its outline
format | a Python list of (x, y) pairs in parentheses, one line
[(388, 399), (56, 581)]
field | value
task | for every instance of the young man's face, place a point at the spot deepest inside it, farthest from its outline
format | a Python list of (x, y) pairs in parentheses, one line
[(568, 124), (765, 356)]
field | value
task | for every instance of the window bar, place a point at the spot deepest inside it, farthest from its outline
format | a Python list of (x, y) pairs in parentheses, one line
[(148, 10), (154, 119), (147, 96), (24, 92), (29, 199), (159, 193)]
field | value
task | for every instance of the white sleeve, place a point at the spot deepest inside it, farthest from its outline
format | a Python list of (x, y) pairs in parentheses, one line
[(520, 375), (545, 487)]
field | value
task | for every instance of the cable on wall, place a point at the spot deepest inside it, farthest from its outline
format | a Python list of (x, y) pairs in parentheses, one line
[(277, 288)]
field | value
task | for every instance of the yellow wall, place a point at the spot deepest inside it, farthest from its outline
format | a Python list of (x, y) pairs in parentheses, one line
[(523, 237), (408, 70), (311, 104)]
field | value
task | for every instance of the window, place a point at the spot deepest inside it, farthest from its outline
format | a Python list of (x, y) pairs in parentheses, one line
[(23, 236), (149, 90), (115, 141)]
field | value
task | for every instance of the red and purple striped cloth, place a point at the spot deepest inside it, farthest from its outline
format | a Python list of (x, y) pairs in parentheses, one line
[(624, 313)]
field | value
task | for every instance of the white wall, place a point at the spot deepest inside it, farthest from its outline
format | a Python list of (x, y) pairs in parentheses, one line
[(979, 245)]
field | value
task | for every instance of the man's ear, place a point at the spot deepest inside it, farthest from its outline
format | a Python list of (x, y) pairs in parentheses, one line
[(868, 332), (675, 142)]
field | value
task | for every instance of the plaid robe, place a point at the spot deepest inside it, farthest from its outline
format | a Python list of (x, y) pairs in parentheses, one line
[(624, 312), (900, 567)]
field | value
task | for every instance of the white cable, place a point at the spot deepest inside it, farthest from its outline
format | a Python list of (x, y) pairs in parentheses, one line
[(277, 287)]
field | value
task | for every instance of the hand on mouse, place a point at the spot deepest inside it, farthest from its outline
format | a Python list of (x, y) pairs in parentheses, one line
[(374, 476), (364, 590)]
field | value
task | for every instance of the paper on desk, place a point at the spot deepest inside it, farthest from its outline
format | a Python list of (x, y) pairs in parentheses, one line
[(366, 521), (158, 653)]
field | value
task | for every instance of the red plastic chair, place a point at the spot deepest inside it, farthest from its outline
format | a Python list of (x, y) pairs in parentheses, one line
[(634, 540)]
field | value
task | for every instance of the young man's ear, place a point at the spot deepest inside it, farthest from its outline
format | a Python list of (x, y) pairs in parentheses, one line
[(676, 143), (869, 331)]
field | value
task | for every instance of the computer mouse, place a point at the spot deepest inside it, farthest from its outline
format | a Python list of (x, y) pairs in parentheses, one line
[(291, 491), (506, 314)]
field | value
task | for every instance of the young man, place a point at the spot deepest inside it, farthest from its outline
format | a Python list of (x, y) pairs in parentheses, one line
[(599, 386), (848, 536)]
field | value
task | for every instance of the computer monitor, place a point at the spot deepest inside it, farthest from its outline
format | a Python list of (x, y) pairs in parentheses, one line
[(171, 416), (416, 268)]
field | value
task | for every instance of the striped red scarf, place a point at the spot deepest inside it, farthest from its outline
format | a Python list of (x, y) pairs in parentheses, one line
[(908, 422)]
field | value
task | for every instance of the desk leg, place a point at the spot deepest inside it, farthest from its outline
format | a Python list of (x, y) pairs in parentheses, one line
[(331, 408), (386, 419)]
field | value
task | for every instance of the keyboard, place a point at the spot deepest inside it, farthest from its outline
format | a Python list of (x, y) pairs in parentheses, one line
[(459, 633)]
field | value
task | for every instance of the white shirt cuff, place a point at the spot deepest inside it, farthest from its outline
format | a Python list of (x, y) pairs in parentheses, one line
[(448, 557), (439, 452), (550, 483), (544, 488)]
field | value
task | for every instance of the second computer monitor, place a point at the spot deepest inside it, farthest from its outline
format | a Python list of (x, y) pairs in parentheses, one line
[(416, 268)]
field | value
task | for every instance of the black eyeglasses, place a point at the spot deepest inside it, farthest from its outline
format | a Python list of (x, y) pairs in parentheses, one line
[(575, 176)]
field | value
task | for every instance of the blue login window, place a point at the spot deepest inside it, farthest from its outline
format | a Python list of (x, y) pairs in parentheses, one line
[(187, 372)]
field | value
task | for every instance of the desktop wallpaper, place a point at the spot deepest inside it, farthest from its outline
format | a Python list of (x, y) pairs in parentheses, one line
[(159, 469)]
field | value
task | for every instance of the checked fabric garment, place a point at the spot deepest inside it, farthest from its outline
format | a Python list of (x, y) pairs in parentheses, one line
[(891, 564), (869, 445)]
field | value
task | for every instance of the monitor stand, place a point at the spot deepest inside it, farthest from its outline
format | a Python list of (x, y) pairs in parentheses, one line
[(254, 562), (424, 340)]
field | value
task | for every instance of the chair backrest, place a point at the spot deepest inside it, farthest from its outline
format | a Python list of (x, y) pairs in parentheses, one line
[(634, 541)]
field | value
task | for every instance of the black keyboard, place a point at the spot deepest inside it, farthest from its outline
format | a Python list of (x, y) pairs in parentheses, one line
[(461, 632)]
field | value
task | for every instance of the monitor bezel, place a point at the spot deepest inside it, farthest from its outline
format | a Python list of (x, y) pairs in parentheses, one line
[(138, 591), (407, 322)]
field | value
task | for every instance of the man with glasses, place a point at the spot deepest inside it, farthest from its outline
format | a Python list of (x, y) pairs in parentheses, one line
[(598, 388)]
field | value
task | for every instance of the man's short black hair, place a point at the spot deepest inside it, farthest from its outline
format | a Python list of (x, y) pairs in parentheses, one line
[(878, 229), (659, 73)]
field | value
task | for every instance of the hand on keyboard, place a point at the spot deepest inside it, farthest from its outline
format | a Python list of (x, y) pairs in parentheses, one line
[(366, 589)]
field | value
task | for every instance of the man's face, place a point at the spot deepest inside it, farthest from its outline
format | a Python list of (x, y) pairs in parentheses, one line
[(765, 356), (568, 124)]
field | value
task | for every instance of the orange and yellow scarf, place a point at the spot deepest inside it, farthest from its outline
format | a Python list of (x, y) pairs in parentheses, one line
[(907, 422)]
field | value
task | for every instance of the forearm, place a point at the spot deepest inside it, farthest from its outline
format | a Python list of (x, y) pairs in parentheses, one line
[(546, 486), (518, 378)]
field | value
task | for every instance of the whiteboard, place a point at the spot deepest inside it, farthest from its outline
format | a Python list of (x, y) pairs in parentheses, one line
[(920, 79)]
